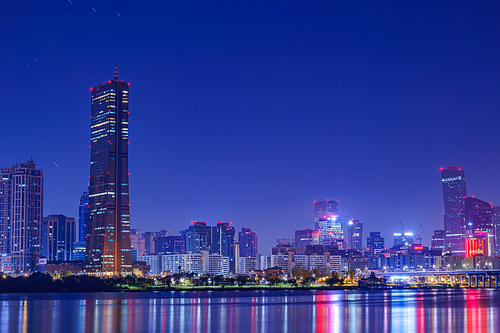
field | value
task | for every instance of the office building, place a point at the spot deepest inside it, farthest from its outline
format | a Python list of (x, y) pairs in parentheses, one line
[(21, 212), (355, 235), (403, 239), (324, 209), (83, 217), (247, 264), (198, 237), (454, 193), (170, 245), (58, 236), (495, 219), (438, 240), (283, 241), (478, 215), (108, 229), (305, 237), (375, 243), (329, 228), (248, 242), (79, 249), (223, 238), (137, 243), (149, 242)]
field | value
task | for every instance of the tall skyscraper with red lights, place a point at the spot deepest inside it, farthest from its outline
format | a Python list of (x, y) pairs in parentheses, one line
[(108, 230)]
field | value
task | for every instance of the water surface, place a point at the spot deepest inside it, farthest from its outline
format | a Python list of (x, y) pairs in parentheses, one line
[(253, 311)]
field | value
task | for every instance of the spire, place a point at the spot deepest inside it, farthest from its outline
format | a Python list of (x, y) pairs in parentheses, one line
[(116, 71)]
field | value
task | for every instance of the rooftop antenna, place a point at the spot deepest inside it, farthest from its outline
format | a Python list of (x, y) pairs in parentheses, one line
[(116, 71)]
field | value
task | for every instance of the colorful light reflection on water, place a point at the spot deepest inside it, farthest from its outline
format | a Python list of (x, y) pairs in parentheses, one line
[(254, 311)]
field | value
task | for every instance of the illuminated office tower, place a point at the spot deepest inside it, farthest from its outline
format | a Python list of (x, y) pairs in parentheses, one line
[(355, 235), (21, 213), (58, 237), (495, 218), (248, 240), (454, 193), (108, 230), (438, 240), (198, 237), (324, 209), (305, 237), (83, 216), (223, 238), (375, 243)]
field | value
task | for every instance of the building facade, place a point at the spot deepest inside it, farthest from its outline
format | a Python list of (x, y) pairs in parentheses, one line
[(355, 235), (58, 237), (438, 240), (324, 209), (454, 193), (305, 237), (223, 238), (108, 229), (83, 216), (21, 213), (249, 243), (198, 237), (375, 243)]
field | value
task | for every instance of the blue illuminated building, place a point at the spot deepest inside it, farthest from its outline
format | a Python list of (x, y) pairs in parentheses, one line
[(83, 216)]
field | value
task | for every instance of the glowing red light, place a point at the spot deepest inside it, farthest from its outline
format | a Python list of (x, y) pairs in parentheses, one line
[(128, 173), (128, 84), (109, 81), (327, 200), (324, 216), (91, 89), (441, 169), (127, 143), (129, 205), (314, 201), (108, 172)]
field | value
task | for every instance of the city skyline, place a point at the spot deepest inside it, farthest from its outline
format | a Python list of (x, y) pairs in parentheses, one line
[(233, 115)]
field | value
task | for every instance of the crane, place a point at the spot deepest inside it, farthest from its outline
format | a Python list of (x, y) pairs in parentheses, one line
[(419, 235)]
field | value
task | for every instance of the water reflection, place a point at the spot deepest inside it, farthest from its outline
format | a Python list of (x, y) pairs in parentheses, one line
[(253, 311)]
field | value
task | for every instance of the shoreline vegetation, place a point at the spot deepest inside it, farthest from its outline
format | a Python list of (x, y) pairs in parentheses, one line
[(41, 283)]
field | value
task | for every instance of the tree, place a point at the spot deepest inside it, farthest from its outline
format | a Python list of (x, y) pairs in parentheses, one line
[(241, 279)]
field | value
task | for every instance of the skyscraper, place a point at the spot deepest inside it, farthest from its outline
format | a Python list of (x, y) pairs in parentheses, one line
[(454, 193), (223, 235), (21, 212), (478, 215), (83, 216), (438, 240), (198, 237), (108, 230), (495, 217), (375, 243), (249, 244), (305, 237), (324, 209), (355, 235), (58, 235)]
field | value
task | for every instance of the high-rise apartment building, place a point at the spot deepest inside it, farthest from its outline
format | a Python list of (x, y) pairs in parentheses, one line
[(355, 235), (108, 229), (83, 216), (149, 242), (198, 237), (223, 238), (170, 245), (58, 237), (21, 213), (324, 209), (454, 193), (248, 242)]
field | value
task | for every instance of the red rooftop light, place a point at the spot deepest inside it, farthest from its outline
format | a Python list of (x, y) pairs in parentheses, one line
[(91, 89), (441, 169), (109, 81)]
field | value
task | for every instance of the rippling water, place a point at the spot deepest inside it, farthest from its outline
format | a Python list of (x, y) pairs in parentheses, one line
[(254, 311)]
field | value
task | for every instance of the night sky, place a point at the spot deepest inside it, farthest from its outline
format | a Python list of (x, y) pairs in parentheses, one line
[(249, 111)]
